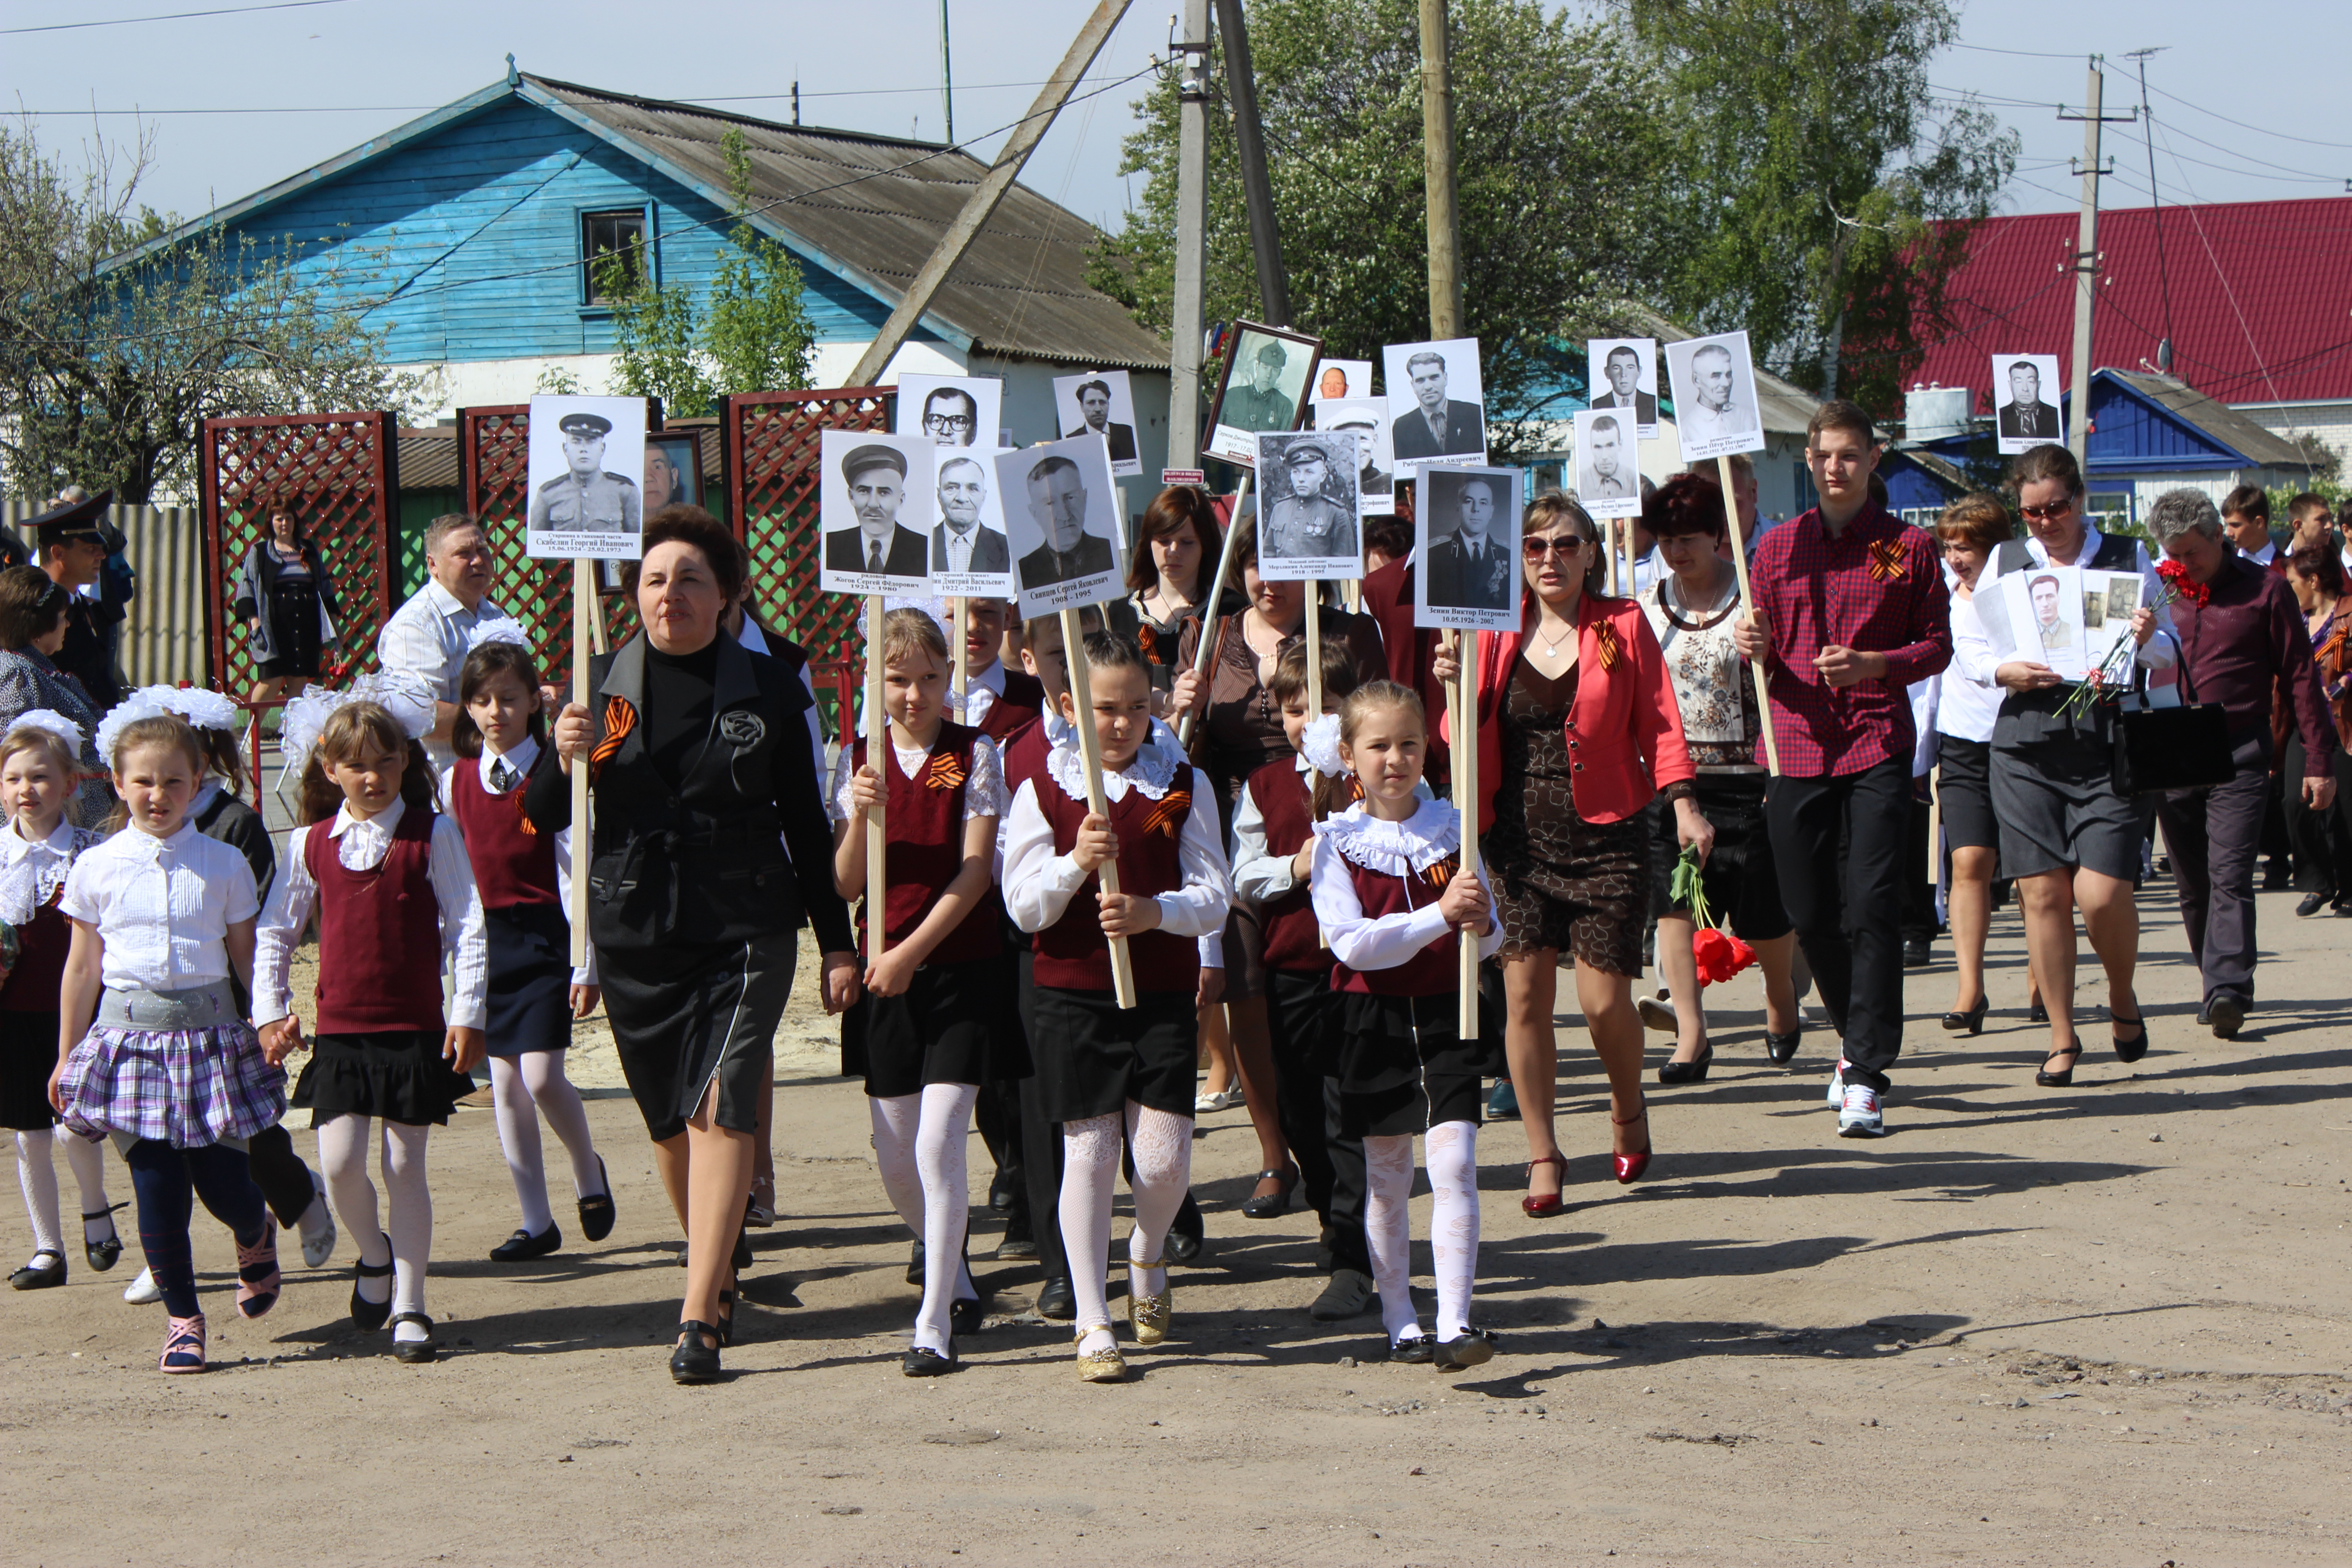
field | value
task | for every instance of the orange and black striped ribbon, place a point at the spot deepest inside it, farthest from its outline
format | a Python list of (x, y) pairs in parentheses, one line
[(620, 719), (1886, 560), (1605, 635), (1443, 872), (946, 771), (1168, 815), (524, 816)]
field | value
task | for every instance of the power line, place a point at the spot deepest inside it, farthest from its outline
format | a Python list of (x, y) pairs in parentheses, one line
[(423, 108), (174, 16), (2242, 125)]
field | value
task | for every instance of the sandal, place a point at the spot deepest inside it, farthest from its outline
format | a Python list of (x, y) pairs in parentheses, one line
[(183, 1345), (258, 1280), (1274, 1204), (1543, 1205)]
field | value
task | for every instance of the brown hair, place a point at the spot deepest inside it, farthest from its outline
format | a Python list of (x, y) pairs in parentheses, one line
[(482, 666), (1688, 503), (1289, 678), (2317, 564), (1979, 519), (683, 524), (2302, 504), (1838, 414), (1391, 536), (1375, 694), (222, 757), (155, 730), (31, 605), (2250, 501), (33, 737), (1109, 651), (436, 532), (2047, 462), (907, 632), (1555, 507), (347, 731), (1176, 508)]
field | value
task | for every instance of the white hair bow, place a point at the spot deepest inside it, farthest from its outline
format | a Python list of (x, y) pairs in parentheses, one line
[(56, 724), (1320, 746), (498, 629), (400, 693)]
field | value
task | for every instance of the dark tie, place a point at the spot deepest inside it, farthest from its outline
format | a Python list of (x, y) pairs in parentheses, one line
[(874, 555), (502, 777)]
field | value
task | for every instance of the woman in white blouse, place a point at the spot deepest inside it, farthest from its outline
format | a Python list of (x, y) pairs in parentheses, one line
[(1967, 702)]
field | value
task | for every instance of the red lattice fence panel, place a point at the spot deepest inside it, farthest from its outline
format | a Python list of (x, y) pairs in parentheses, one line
[(339, 475), (770, 459)]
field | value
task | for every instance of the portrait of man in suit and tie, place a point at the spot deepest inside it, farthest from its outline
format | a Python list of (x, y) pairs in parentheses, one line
[(1438, 424), (1057, 504), (1094, 419), (962, 543), (878, 544), (1470, 568), (2024, 419), (950, 417), (1619, 385)]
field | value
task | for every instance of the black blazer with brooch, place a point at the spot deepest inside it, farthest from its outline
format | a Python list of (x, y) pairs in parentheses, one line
[(703, 860)]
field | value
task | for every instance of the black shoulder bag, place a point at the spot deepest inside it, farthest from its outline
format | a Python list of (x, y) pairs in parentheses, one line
[(2186, 747)]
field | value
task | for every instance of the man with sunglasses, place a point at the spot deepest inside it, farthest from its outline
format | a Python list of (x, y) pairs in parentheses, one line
[(1849, 609)]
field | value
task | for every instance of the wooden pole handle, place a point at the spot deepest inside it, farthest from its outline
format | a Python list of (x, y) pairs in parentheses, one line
[(1211, 622), (877, 748), (1465, 791), (1122, 967), (583, 606), (1746, 597)]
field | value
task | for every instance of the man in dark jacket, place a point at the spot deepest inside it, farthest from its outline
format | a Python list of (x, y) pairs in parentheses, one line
[(75, 541)]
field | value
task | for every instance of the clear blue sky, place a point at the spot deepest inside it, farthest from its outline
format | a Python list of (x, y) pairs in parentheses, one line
[(2226, 132)]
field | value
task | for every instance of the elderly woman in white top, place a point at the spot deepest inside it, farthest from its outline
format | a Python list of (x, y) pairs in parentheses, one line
[(1967, 703)]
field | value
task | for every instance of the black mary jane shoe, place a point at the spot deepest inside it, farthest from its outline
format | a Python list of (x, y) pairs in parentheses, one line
[(1275, 1203), (1971, 1022), (2065, 1077), (1183, 1247), (597, 1214), (103, 1252), (39, 1276), (921, 1361), (416, 1353), (1418, 1350), (2131, 1050), (965, 1316), (1691, 1071), (370, 1315), (1781, 1049), (1476, 1348), (522, 1246), (692, 1361)]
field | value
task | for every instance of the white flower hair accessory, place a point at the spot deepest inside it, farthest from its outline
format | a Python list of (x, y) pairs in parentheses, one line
[(1320, 746), (122, 716), (201, 707), (496, 628), (400, 693), (56, 724)]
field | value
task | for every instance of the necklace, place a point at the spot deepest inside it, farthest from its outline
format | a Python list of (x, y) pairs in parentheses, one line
[(1552, 644)]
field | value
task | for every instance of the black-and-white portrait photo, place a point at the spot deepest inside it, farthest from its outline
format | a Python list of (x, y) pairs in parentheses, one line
[(1099, 403), (875, 505), (587, 458), (1366, 419), (1623, 379), (1608, 470), (1436, 402), (1307, 508), (1062, 524), (2025, 401), (1714, 384), (952, 410), (1335, 378), (1263, 387), (1466, 535), (969, 555)]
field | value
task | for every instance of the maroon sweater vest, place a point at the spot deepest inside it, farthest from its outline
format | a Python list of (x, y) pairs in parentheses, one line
[(1288, 809), (1023, 700), (379, 934), (1024, 756), (512, 864), (41, 946), (1073, 954), (1433, 970), (924, 821)]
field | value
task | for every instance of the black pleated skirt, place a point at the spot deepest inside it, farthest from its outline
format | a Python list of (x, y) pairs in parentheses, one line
[(691, 1015), (399, 1074), (950, 1025), (1092, 1056), (1403, 1066)]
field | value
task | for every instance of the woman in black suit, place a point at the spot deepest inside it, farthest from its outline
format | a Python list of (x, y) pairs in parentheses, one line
[(711, 848), (284, 590)]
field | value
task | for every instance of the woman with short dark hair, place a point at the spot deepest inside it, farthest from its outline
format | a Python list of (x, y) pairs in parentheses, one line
[(284, 591), (32, 629), (1176, 547)]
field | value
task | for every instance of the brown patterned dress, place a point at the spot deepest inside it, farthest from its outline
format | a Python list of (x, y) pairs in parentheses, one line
[(1563, 883)]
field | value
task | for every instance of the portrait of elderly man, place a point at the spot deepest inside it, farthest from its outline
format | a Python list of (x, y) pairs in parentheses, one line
[(1057, 501), (1609, 477), (585, 497), (2025, 417), (961, 543), (1714, 414), (950, 417), (1260, 403), (1437, 426), (1469, 569), (1094, 419), (879, 544), (1316, 518), (1621, 385)]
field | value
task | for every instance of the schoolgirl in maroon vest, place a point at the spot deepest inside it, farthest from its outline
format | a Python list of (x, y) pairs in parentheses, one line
[(1096, 1062), (525, 879), (1392, 898), (998, 702), (925, 1034), (394, 895)]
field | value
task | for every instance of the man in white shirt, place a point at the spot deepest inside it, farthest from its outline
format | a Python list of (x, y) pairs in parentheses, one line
[(1712, 414), (427, 635)]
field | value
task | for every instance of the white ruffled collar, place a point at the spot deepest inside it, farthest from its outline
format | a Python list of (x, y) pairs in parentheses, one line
[(1151, 772), (32, 870), (1432, 834)]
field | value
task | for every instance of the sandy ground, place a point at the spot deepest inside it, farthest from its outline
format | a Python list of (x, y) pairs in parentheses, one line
[(2104, 1325)]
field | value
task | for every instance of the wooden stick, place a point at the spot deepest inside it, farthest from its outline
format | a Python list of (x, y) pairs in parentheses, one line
[(1074, 652), (1740, 564), (958, 609), (583, 601), (598, 642), (1934, 823), (1465, 790), (1210, 621), (1314, 651), (1611, 526), (878, 751)]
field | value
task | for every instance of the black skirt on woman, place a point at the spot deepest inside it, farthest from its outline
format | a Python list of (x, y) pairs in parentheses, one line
[(530, 979), (1403, 1066), (28, 1055), (1964, 793), (399, 1074), (947, 1026), (293, 626), (689, 1018), (1743, 885)]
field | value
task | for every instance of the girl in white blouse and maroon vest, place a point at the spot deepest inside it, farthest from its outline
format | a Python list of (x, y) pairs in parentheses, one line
[(1394, 900), (926, 1035), (394, 894), (525, 881), (1096, 1062)]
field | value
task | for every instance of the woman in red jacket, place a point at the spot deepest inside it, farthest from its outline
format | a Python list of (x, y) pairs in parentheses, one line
[(1577, 730)]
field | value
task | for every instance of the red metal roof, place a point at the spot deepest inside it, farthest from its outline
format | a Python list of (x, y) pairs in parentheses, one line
[(2262, 298)]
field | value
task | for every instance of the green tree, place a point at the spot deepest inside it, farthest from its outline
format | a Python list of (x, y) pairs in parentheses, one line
[(1818, 191)]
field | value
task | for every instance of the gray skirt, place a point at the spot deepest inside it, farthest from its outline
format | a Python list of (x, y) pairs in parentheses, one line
[(2059, 810), (690, 1018)]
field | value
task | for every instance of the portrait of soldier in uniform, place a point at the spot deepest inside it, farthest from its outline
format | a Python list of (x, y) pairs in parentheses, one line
[(586, 498), (1313, 516)]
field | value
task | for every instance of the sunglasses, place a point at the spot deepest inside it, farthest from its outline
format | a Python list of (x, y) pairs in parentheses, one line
[(1567, 544), (2050, 513)]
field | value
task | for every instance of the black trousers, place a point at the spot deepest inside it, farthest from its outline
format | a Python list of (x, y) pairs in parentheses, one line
[(2323, 839), (1919, 924), (1849, 913), (1330, 1163), (2214, 835)]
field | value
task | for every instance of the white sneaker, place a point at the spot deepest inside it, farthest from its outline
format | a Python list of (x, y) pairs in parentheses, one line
[(1658, 1014), (142, 1289), (1837, 1086), (318, 1226), (1859, 1117)]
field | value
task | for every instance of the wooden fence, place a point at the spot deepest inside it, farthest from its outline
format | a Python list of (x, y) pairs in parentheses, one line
[(163, 640)]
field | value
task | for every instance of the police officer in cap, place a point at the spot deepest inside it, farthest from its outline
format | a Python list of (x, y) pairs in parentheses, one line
[(75, 541), (1308, 524), (588, 500)]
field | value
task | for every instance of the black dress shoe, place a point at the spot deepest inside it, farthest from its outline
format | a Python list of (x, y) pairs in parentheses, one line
[(2311, 905), (1274, 1204), (2063, 1077), (39, 1276), (1971, 1022), (966, 1314), (370, 1315), (103, 1252), (2037, 1014), (522, 1246), (1183, 1248), (597, 1214), (923, 1361), (1692, 1071), (2226, 1012), (1056, 1302), (692, 1361), (1476, 1348), (416, 1353), (1414, 1352), (1001, 1192), (1782, 1048), (2132, 1050), (742, 1256)]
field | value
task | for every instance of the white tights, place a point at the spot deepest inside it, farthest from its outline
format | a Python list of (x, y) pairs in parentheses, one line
[(524, 1088), (918, 1143), (1163, 1145), (344, 1156), (37, 1173), (1451, 1149)]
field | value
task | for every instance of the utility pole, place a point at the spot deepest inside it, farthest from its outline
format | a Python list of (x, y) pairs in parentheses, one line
[(2086, 257), (946, 78), (2155, 206), (1191, 219), (1437, 155), (1249, 140)]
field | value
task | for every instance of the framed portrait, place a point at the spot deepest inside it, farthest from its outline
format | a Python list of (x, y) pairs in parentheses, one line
[(2025, 402), (1714, 384), (1336, 378), (1623, 376), (1367, 419), (1261, 389), (1062, 524), (1608, 463), (673, 471), (2045, 618), (874, 508), (953, 410), (1437, 403), (971, 555), (2110, 599), (1307, 508), (1466, 538), (586, 478), (1099, 403)]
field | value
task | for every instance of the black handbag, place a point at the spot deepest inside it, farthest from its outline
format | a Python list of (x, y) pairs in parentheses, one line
[(2186, 747)]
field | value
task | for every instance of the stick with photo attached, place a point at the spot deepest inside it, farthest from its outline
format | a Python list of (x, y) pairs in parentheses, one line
[(1748, 598), (1212, 626), (1315, 693), (878, 744), (583, 606), (1073, 648), (1465, 791)]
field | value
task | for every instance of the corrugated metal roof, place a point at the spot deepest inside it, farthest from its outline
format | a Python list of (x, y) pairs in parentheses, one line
[(2215, 419), (879, 205), (2262, 298)]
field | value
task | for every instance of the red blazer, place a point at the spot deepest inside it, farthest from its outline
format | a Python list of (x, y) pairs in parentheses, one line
[(1625, 726)]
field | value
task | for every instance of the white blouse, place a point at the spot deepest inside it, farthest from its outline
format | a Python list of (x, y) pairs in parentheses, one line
[(1403, 849), (162, 906), (984, 794), (519, 760), (32, 870), (1038, 882), (1966, 700)]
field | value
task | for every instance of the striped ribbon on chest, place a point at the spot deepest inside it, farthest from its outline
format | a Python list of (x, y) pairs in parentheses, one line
[(620, 720), (1609, 645), (1887, 559), (1442, 873), (1167, 814), (946, 771)]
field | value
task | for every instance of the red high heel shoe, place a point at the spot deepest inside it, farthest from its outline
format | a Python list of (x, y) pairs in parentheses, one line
[(1628, 1167), (1543, 1207)]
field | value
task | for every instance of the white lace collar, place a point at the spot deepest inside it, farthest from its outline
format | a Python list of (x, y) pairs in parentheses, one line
[(1150, 773), (31, 872), (1432, 834)]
